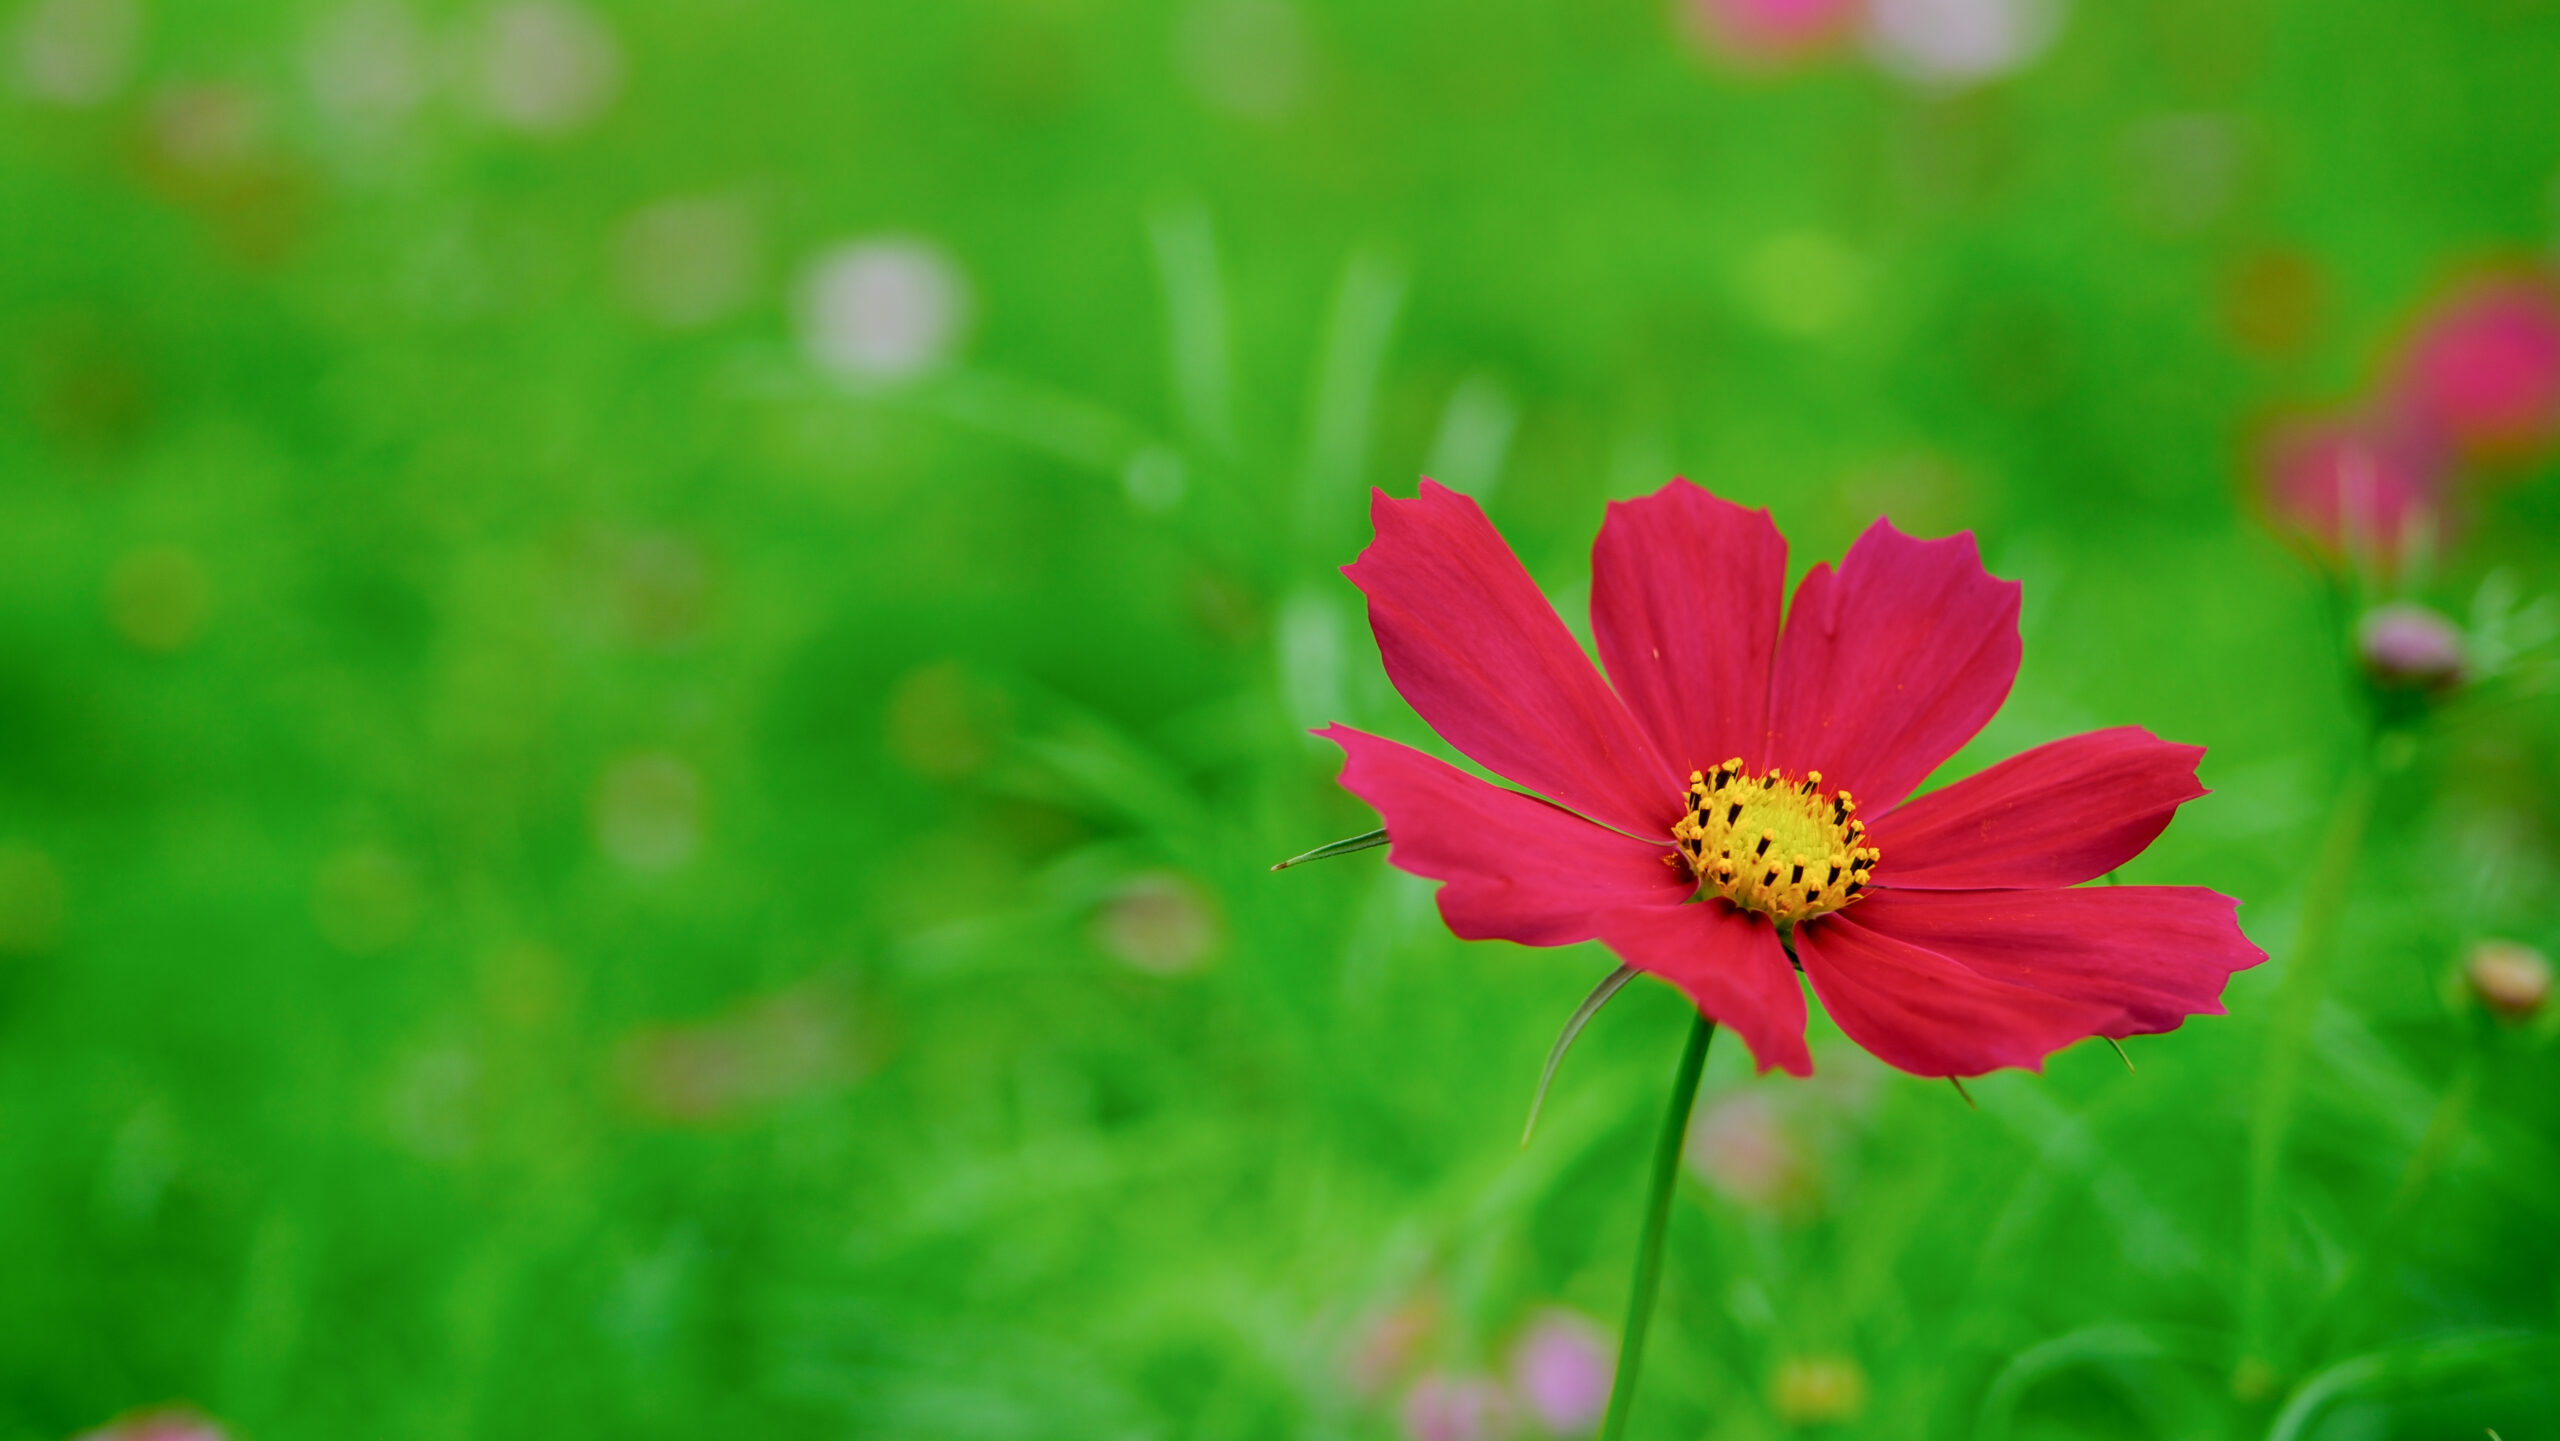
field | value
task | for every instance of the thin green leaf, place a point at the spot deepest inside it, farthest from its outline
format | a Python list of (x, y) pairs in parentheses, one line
[(1369, 840), (1615, 982)]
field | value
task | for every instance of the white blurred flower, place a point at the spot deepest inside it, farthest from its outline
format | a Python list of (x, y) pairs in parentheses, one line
[(1248, 58), (367, 62), (547, 67), (888, 308), (74, 52), (687, 261), (1949, 43)]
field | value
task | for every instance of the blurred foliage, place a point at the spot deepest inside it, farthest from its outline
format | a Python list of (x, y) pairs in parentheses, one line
[(593, 841)]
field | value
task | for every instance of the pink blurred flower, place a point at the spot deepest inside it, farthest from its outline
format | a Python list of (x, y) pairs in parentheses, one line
[(2357, 489), (1768, 30), (1561, 1367), (159, 1423), (1742, 1147), (2482, 369), (1442, 1407)]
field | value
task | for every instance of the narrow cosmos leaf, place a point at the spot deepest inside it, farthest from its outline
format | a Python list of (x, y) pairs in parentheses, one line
[(1609, 986), (2120, 1055), (1367, 841), (1961, 1091)]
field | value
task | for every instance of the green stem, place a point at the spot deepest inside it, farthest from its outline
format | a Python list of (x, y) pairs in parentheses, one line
[(2297, 1003), (1657, 1218)]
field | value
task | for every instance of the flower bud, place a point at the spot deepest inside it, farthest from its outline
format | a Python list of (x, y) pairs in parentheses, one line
[(2409, 647), (2511, 980)]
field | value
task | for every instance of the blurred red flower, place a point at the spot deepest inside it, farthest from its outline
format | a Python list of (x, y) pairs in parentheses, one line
[(2482, 370), (1731, 766), (2358, 489)]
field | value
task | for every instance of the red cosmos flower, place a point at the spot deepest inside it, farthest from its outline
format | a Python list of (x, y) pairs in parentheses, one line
[(1723, 788)]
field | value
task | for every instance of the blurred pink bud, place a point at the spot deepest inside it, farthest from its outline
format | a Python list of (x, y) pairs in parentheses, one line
[(2513, 981), (2409, 647), (161, 1423), (2360, 491), (1562, 1367), (1741, 1146), (2483, 369), (1442, 1407), (1768, 30)]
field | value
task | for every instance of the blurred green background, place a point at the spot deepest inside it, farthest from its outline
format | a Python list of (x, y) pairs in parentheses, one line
[(651, 655)]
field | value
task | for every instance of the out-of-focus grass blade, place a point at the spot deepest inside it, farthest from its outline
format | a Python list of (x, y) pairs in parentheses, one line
[(1581, 1017), (1195, 315), (1365, 841), (2410, 1370), (2090, 1345), (1474, 438), (1357, 330)]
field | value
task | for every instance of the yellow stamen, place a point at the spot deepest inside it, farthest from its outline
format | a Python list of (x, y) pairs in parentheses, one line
[(1782, 847)]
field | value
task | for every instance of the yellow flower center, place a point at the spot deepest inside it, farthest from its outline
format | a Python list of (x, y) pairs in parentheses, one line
[(1771, 843)]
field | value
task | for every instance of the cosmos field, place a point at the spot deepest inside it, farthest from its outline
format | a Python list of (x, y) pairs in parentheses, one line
[(652, 656)]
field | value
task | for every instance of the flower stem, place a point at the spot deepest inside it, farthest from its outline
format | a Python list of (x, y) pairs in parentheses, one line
[(1657, 1218)]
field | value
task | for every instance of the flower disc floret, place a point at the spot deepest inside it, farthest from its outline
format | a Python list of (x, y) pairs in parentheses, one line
[(1773, 843)]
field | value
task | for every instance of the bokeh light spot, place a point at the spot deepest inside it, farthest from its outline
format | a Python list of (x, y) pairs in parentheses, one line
[(157, 597), (367, 62), (1803, 282), (365, 900), (1561, 1369), (547, 67), (883, 309), (32, 901), (1161, 922), (1949, 43), (74, 52), (687, 261), (648, 812), (1818, 1390), (1251, 59), (943, 722)]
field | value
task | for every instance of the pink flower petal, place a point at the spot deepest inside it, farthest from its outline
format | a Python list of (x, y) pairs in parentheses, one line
[(1729, 964), (2154, 955), (1891, 664), (1518, 869), (1922, 1012), (1475, 649), (2067, 811), (1685, 594)]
